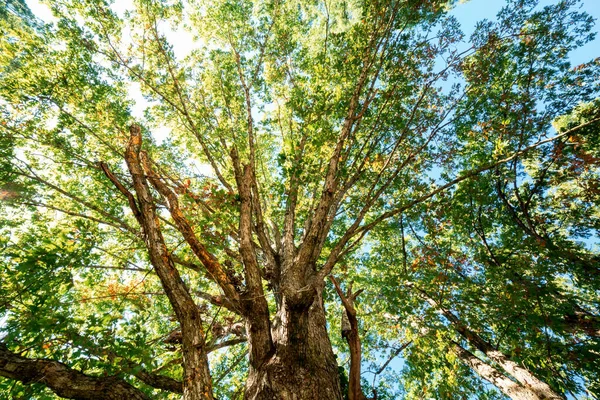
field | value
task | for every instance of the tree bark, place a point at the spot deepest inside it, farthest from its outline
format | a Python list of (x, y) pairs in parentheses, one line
[(64, 381), (197, 381), (302, 365), (521, 374), (291, 358), (506, 385), (350, 332)]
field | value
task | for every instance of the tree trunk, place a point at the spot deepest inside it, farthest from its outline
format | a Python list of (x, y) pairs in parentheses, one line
[(521, 374), (506, 385), (302, 365)]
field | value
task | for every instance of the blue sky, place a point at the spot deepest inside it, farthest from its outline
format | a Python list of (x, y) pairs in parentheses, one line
[(468, 13)]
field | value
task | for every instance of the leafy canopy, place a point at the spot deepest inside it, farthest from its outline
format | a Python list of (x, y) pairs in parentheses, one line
[(466, 170)]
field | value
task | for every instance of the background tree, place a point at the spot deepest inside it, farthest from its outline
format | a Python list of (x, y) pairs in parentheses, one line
[(366, 139)]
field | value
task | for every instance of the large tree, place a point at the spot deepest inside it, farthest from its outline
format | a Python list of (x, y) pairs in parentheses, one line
[(193, 219)]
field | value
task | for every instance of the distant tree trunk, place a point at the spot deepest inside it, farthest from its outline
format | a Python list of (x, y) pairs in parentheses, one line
[(506, 385), (302, 365), (521, 374)]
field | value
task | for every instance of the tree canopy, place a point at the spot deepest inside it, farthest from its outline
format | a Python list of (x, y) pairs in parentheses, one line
[(305, 200)]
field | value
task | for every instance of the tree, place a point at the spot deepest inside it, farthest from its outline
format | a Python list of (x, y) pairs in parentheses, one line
[(366, 140)]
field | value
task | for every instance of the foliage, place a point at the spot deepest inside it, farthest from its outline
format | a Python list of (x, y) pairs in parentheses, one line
[(464, 177)]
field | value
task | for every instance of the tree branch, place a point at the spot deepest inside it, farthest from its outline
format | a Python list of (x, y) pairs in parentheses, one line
[(341, 244), (209, 261), (63, 380), (352, 337), (197, 374)]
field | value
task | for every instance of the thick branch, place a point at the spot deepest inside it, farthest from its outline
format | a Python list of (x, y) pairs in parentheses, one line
[(158, 381), (252, 270), (257, 310), (122, 189), (64, 381), (197, 384), (209, 261)]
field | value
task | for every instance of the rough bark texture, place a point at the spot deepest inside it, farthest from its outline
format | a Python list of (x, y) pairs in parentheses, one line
[(509, 387), (302, 366), (256, 310), (197, 383), (64, 381)]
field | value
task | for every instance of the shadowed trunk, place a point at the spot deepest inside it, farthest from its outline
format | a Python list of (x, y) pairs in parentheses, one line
[(302, 365)]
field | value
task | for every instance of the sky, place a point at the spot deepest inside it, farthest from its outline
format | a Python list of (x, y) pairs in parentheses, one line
[(468, 13)]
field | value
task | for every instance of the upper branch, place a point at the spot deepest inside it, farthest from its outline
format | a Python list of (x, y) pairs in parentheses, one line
[(209, 261), (362, 230), (319, 224)]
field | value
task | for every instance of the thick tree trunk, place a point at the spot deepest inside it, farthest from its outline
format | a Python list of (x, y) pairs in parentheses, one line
[(302, 365)]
